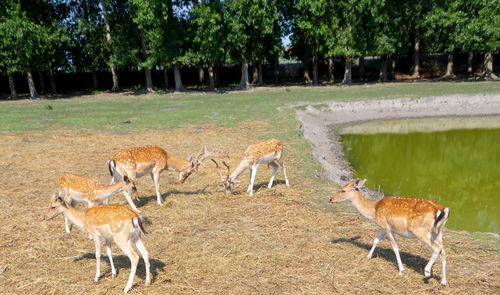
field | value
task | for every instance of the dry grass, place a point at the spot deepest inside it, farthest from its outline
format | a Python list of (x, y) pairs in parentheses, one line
[(202, 241)]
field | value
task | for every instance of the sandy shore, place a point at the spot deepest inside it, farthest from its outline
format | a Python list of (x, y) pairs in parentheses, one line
[(318, 121)]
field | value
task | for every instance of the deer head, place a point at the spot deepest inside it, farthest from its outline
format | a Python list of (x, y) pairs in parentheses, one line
[(226, 180), (195, 161), (56, 206), (346, 193), (130, 188)]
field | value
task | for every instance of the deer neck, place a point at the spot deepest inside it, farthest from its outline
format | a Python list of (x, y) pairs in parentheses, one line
[(244, 165), (104, 191), (365, 207), (75, 216), (177, 164)]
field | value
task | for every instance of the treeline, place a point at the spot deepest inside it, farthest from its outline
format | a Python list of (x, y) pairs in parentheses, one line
[(91, 36)]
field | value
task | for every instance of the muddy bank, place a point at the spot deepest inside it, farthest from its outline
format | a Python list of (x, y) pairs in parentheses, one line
[(318, 121)]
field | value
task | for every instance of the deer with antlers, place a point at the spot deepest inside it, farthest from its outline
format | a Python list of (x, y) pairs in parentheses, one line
[(119, 223), (152, 160), (81, 189), (409, 217), (265, 152)]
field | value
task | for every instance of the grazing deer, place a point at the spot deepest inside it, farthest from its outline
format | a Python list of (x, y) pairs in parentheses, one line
[(265, 152), (119, 223), (409, 217), (81, 189), (152, 160)]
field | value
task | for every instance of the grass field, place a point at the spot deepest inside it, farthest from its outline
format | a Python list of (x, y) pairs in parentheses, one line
[(281, 241)]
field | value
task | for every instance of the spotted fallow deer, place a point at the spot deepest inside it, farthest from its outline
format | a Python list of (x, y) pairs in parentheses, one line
[(409, 217), (152, 160), (265, 152), (119, 223), (81, 189)]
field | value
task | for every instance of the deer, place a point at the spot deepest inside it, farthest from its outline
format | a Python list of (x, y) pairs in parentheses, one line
[(265, 152), (80, 189), (410, 217), (119, 223), (138, 161)]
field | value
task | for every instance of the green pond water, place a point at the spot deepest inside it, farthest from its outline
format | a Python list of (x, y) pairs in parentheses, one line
[(457, 168)]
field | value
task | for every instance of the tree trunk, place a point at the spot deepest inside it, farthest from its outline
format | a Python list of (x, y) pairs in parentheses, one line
[(416, 49), (449, 67), (470, 61), (261, 78), (95, 81), (255, 74), (165, 77), (488, 67), (201, 74), (315, 70), (331, 70), (383, 69), (42, 82), (108, 39), (348, 71), (244, 83), (393, 68), (31, 85), (52, 80), (218, 75), (211, 81), (12, 85), (147, 71), (307, 77), (362, 68), (276, 66), (178, 79)]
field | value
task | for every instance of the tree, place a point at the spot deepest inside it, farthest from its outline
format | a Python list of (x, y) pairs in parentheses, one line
[(248, 22), (312, 21), (208, 41)]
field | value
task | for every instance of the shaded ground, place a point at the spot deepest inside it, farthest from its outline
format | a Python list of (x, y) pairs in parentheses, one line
[(281, 241)]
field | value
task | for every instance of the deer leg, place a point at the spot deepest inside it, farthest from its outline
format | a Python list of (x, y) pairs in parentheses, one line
[(275, 168), (110, 256), (379, 237), (144, 253), (131, 202), (67, 224), (396, 250), (98, 244), (284, 172), (252, 179), (156, 180), (443, 267), (134, 259)]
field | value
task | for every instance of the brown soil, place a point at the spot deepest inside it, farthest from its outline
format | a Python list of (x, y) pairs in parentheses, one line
[(280, 241)]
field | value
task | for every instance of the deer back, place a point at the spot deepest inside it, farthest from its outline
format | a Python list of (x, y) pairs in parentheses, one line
[(263, 148), (77, 184), (140, 158), (408, 215), (109, 219)]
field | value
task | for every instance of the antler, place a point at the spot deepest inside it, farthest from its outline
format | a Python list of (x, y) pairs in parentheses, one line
[(218, 169), (209, 152)]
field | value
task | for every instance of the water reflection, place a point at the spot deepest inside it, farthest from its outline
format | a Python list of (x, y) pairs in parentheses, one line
[(458, 168)]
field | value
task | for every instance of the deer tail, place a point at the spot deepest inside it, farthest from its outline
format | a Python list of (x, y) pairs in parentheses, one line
[(138, 224)]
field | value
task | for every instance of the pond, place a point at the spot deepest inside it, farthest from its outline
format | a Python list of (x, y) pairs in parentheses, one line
[(459, 168)]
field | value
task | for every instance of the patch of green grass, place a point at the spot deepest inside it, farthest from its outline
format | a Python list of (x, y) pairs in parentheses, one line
[(159, 111)]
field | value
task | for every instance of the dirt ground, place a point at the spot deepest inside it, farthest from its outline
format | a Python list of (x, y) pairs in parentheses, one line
[(280, 241)]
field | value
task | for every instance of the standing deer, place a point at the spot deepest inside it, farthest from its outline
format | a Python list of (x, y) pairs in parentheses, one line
[(81, 189), (265, 152), (119, 223), (152, 160), (409, 217)]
